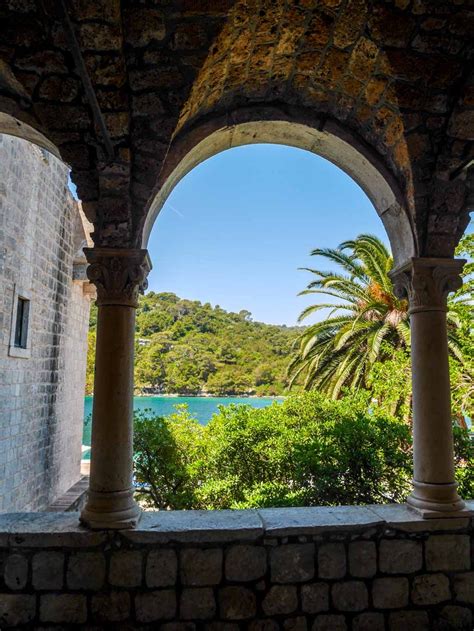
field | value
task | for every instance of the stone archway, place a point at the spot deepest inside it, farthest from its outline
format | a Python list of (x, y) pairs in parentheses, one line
[(299, 129)]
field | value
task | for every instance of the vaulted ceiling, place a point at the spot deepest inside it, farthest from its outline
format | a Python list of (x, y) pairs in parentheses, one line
[(114, 84)]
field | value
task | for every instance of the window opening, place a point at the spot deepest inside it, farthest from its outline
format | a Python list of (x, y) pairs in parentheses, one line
[(21, 325)]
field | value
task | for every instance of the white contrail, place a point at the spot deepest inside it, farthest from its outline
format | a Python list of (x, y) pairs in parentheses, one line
[(180, 214)]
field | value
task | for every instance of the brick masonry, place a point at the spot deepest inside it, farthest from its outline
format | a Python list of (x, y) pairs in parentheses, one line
[(345, 568), (41, 396)]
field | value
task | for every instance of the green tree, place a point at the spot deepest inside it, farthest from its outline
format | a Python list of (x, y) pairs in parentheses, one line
[(185, 347), (228, 381), (307, 451), (462, 306), (367, 322), (91, 340), (167, 451)]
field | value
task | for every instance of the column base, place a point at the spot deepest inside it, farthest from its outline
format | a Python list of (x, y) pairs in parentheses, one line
[(111, 511), (435, 501)]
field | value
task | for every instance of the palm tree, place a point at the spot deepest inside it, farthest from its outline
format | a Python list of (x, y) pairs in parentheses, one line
[(367, 322)]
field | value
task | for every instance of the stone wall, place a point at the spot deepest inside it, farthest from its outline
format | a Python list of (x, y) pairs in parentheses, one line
[(41, 395), (317, 569)]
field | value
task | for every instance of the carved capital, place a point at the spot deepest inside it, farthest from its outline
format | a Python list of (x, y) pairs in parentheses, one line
[(118, 274), (426, 282)]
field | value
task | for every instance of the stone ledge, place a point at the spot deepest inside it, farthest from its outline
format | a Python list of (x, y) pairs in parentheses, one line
[(197, 526), (282, 522), (63, 529), (44, 530), (401, 517)]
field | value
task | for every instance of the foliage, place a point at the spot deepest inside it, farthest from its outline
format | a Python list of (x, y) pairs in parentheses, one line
[(462, 306), (91, 340), (390, 383), (341, 349), (298, 453), (186, 347), (302, 453), (366, 337), (307, 451), (166, 452), (464, 461)]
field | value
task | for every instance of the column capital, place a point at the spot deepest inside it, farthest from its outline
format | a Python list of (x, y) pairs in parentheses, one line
[(426, 282), (119, 274)]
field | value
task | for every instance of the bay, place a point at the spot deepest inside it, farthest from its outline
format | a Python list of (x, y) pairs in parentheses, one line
[(200, 407)]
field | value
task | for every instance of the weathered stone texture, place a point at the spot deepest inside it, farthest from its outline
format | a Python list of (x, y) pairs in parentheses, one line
[(430, 589), (15, 573), (110, 607), (281, 599), (237, 603), (399, 557), (48, 570), (126, 580), (390, 593), (464, 587), (369, 622), (350, 596), (332, 560), (404, 620), (395, 74), (295, 624), (292, 563), (41, 397), (330, 622), (201, 567), (245, 563), (315, 597), (448, 552), (362, 559), (454, 617), (69, 608), (156, 605), (197, 604), (126, 569), (16, 609), (161, 568), (86, 570)]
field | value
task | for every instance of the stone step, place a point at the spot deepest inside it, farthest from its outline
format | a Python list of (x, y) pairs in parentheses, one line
[(73, 499)]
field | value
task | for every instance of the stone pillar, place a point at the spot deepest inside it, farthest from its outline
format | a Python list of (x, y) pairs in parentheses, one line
[(426, 283), (119, 275)]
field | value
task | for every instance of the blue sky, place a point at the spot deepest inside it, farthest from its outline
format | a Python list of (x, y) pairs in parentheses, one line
[(235, 230)]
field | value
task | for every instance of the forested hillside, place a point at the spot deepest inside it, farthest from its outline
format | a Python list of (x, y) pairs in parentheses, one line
[(186, 347)]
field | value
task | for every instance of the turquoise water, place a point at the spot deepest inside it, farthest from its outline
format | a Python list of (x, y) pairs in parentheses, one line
[(201, 407)]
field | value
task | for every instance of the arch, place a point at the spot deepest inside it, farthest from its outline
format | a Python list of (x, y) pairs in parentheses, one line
[(320, 136), (13, 127)]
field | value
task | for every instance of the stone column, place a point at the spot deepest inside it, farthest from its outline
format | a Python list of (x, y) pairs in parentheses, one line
[(426, 283), (119, 275)]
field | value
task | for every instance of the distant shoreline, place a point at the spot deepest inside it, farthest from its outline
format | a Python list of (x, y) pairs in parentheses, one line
[(207, 396), (215, 396)]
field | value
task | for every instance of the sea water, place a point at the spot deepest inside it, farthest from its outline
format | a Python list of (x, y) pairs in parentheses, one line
[(201, 408)]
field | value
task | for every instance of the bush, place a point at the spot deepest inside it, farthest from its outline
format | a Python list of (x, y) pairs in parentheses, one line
[(302, 453), (166, 452), (307, 451)]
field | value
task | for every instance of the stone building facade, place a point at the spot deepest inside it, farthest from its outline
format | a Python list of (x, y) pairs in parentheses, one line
[(41, 385)]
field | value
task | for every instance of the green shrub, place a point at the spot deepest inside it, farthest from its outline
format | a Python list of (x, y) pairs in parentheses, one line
[(306, 451), (166, 453)]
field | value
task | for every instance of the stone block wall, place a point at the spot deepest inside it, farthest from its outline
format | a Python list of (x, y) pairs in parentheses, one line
[(341, 569), (41, 396)]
